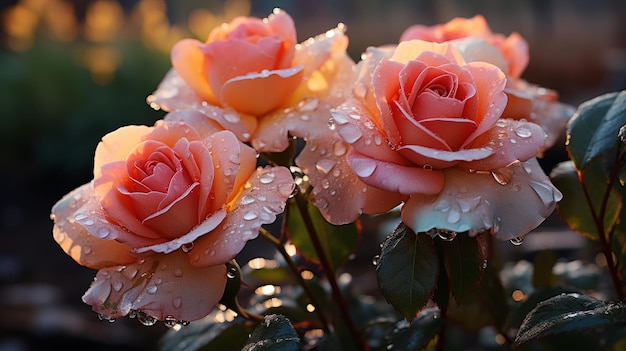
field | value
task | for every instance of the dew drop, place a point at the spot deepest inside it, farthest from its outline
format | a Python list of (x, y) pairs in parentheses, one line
[(325, 165), (117, 286), (187, 247), (484, 264), (232, 273), (305, 117), (518, 241), (146, 319), (247, 199), (453, 216), (103, 317), (545, 192), (177, 302), (170, 322), (152, 289), (497, 224), (321, 204), (308, 104), (331, 123), (178, 272), (523, 131), (102, 232), (376, 260), (266, 178), (250, 215), (339, 148), (350, 134), (364, 168), (500, 178), (446, 235), (325, 183)]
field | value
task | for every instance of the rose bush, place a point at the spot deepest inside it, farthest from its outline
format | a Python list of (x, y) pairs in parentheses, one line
[(426, 124), (166, 210), (252, 72), (476, 40)]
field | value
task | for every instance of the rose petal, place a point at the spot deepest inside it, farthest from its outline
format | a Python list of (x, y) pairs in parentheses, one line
[(337, 192), (262, 198), (173, 93), (116, 146), (511, 140), (395, 178), (189, 62), (439, 159), (259, 93), (510, 202), (161, 286), (203, 228), (72, 215), (225, 150)]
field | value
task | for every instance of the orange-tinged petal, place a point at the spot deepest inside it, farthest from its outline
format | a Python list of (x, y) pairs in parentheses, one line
[(161, 286), (117, 145), (260, 92), (189, 62), (263, 197), (71, 217)]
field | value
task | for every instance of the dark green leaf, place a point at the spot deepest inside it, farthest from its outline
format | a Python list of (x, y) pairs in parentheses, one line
[(567, 313), (206, 334), (415, 337), (593, 130), (338, 241), (520, 310), (463, 261), (574, 208), (275, 333), (407, 270)]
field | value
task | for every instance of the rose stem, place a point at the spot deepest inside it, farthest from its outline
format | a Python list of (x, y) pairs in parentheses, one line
[(599, 223), (329, 272), (296, 270)]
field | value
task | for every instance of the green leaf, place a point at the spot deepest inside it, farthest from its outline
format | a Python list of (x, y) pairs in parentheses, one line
[(574, 208), (567, 313), (593, 130), (463, 261), (338, 241), (407, 270), (206, 334), (275, 333), (520, 310), (416, 336)]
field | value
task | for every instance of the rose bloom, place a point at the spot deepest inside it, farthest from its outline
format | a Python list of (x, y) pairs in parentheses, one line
[(525, 100), (254, 72), (166, 210), (425, 124)]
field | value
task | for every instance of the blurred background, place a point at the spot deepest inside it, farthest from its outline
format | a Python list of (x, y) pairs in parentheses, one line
[(72, 71)]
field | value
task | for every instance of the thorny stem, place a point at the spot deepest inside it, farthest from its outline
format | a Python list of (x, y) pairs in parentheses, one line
[(330, 273), (245, 313), (605, 240), (298, 274)]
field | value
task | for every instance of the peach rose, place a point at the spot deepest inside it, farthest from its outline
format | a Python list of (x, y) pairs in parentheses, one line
[(476, 41), (268, 87), (422, 117), (165, 211)]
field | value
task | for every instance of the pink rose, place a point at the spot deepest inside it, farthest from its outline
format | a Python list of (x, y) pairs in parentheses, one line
[(245, 64), (166, 210), (420, 118), (476, 41), (514, 48), (267, 87)]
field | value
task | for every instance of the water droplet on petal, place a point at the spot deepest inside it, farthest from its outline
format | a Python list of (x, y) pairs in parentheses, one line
[(232, 273), (170, 322), (500, 178), (146, 319), (250, 215), (339, 148), (364, 168), (266, 178), (187, 247), (117, 286), (545, 192), (324, 165), (178, 272), (350, 134), (177, 302), (446, 235), (152, 289), (247, 199), (331, 123), (308, 104), (523, 131), (102, 232), (453, 216), (518, 241), (484, 264)]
